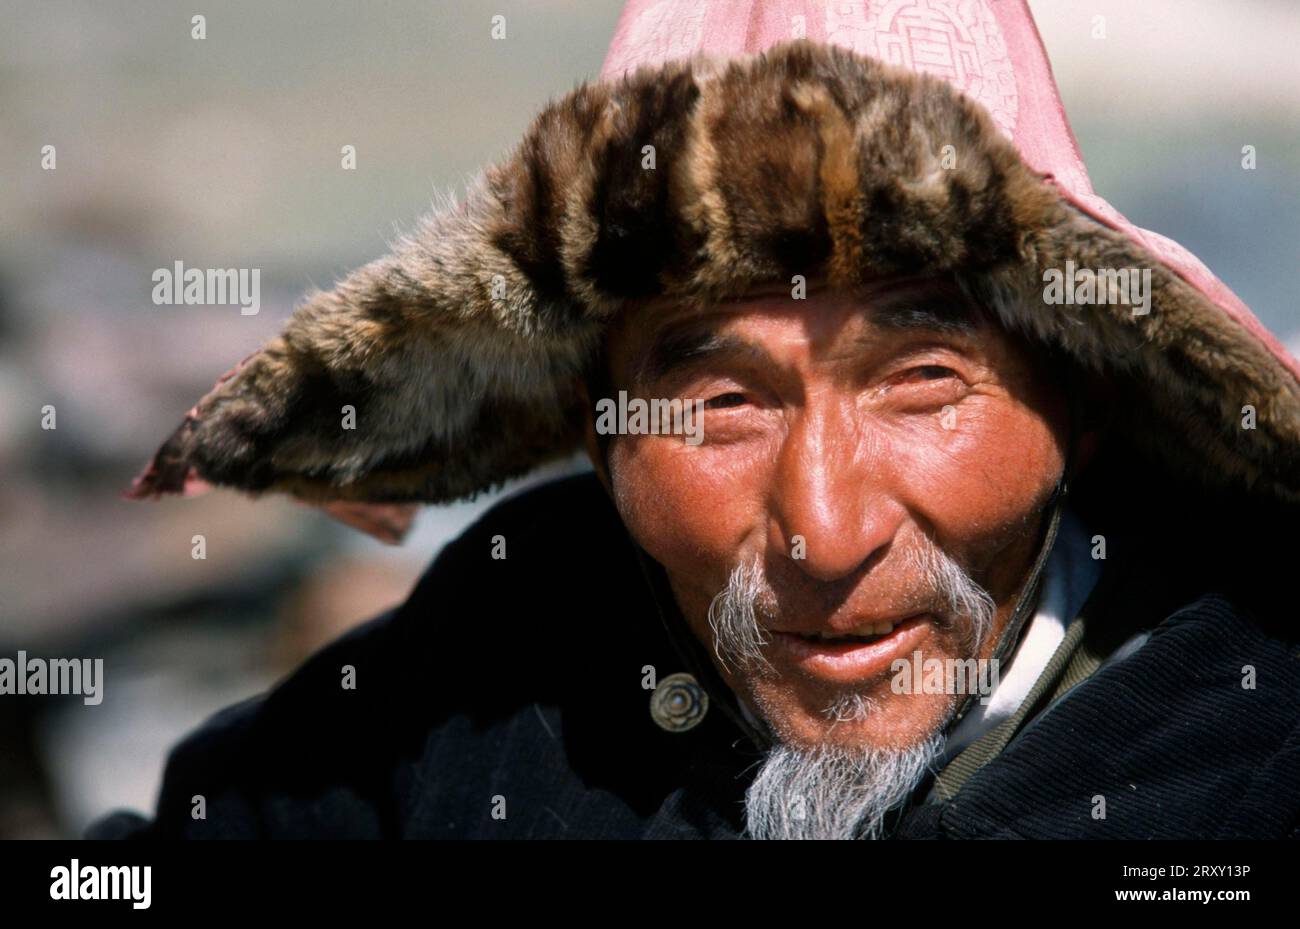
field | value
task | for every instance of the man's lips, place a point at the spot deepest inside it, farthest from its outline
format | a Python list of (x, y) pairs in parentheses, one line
[(849, 659), (855, 628)]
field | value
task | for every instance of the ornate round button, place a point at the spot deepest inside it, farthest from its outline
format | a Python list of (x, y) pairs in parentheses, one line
[(678, 703)]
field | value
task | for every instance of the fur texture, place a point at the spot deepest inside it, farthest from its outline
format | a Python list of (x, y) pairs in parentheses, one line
[(463, 351)]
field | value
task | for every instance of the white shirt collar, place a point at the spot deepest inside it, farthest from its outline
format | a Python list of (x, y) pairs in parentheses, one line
[(1068, 579)]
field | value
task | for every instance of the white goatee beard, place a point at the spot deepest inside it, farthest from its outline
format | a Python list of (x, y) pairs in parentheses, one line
[(831, 792)]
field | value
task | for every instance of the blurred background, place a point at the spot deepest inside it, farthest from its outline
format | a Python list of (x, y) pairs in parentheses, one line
[(226, 153)]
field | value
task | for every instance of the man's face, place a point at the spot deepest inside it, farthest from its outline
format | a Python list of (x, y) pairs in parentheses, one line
[(852, 446)]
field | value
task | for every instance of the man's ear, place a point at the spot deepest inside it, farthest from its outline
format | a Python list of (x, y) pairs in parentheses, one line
[(1085, 449), (1092, 413), (595, 447)]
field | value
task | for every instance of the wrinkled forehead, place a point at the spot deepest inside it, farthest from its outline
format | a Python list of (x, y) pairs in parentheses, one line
[(655, 332)]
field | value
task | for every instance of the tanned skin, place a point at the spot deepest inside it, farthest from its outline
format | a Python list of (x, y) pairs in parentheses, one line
[(859, 423)]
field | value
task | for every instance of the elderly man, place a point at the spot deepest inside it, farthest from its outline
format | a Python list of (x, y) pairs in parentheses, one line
[(972, 538)]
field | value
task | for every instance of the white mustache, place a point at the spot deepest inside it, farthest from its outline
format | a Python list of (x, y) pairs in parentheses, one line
[(734, 613), (733, 617)]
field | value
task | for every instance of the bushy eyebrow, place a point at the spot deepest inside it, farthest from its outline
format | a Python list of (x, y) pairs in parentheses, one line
[(682, 346), (938, 312)]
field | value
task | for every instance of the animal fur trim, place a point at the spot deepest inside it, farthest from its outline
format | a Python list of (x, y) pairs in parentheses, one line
[(462, 352)]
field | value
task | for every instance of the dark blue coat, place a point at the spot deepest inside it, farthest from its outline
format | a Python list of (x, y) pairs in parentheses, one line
[(515, 686)]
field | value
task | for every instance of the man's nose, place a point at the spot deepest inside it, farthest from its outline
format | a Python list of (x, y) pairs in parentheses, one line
[(831, 503)]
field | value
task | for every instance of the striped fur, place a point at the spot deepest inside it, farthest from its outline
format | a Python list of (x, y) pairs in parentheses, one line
[(463, 351)]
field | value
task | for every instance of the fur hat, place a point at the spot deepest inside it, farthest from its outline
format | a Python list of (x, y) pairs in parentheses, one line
[(464, 350)]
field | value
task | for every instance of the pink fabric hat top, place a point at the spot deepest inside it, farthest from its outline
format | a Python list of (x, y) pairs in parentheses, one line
[(989, 49)]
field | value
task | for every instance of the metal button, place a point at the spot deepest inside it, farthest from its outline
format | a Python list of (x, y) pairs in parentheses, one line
[(678, 703)]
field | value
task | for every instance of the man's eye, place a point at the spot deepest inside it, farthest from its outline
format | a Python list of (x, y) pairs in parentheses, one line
[(724, 401), (926, 385), (930, 373)]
